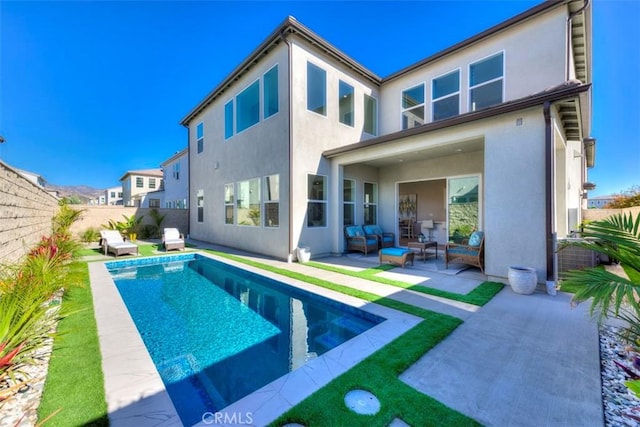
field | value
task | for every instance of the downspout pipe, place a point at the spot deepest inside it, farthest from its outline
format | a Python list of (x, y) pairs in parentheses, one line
[(549, 191), (283, 37)]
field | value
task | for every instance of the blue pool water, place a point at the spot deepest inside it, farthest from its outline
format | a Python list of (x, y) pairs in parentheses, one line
[(217, 333)]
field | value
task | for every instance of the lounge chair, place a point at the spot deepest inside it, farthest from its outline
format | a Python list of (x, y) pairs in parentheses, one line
[(470, 251), (385, 240), (357, 240), (172, 239), (112, 242)]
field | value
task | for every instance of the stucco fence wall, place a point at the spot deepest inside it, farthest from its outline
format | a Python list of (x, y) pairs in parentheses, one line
[(26, 211), (598, 214), (97, 216)]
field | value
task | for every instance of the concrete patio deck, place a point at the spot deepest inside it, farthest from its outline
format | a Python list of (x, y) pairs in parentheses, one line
[(521, 360)]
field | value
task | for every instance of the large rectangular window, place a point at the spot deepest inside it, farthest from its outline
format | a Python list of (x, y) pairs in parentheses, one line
[(316, 89), (154, 203), (270, 88), (139, 182), (228, 119), (248, 202), (345, 101), (272, 201), (200, 137), (413, 107), (200, 205), (152, 183), (228, 204), (486, 78), (248, 107), (370, 203), (317, 201), (446, 95), (349, 202), (370, 115)]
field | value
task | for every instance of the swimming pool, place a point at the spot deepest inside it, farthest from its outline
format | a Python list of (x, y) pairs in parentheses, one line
[(216, 333)]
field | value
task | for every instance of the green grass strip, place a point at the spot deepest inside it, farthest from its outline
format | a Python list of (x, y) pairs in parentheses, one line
[(480, 295), (74, 389), (378, 373)]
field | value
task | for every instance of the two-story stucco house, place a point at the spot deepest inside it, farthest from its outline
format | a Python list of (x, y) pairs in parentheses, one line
[(113, 196), (137, 184), (492, 133), (176, 180)]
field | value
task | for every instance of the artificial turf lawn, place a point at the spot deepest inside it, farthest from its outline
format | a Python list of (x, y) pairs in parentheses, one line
[(480, 295), (74, 389)]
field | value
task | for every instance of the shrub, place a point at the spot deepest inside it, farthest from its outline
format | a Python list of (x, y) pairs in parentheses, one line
[(90, 235)]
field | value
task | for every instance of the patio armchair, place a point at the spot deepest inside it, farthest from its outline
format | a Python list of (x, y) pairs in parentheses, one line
[(470, 251), (112, 242), (385, 240), (172, 239), (357, 240)]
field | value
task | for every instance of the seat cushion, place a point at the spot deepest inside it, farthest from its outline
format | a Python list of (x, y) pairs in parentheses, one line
[(171, 234), (372, 229), (476, 238), (354, 231), (394, 251), (462, 251)]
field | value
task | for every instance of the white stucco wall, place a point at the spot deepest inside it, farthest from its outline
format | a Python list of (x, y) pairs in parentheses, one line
[(256, 152), (176, 188), (538, 44)]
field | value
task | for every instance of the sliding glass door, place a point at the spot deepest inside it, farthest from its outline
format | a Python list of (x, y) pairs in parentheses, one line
[(463, 210)]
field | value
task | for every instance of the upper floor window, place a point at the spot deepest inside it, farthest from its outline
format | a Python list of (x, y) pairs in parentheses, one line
[(413, 107), (370, 115), (139, 182), (446, 95), (113, 194), (345, 101), (228, 119), (316, 89), (486, 78), (248, 107), (270, 89), (152, 183), (200, 137), (317, 201), (176, 170)]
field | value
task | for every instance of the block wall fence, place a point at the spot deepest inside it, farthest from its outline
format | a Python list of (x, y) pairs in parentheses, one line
[(26, 211), (98, 215)]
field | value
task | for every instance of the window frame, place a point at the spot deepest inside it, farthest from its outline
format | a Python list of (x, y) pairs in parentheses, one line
[(238, 106), (258, 202), (200, 205), (488, 82), (324, 89), (200, 137), (403, 110), (229, 203), (350, 114), (139, 182), (323, 202), (152, 183), (351, 203), (375, 114), (268, 200), (366, 205), (457, 93), (229, 120), (265, 116)]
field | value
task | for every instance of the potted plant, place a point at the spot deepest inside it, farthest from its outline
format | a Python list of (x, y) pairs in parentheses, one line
[(523, 280)]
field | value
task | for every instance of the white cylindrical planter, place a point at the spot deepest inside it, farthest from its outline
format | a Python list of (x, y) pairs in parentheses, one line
[(523, 280), (304, 254)]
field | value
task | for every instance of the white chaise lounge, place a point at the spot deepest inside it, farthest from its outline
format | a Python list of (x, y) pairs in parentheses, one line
[(112, 242)]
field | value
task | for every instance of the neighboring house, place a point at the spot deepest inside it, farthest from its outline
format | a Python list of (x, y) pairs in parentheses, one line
[(176, 180), (113, 196), (301, 139), (600, 201), (136, 184), (33, 177)]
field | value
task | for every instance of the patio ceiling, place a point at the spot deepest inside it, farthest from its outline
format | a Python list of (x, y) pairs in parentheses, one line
[(426, 153)]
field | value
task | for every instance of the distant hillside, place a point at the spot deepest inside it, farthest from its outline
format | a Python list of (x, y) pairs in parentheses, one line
[(84, 192)]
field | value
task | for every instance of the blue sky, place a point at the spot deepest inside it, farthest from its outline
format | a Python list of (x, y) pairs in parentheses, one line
[(89, 90)]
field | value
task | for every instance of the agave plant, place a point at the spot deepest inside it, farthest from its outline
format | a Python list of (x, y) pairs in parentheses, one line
[(613, 295)]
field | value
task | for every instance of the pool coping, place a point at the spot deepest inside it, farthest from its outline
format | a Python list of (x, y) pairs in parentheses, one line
[(136, 395)]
